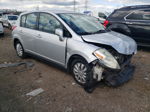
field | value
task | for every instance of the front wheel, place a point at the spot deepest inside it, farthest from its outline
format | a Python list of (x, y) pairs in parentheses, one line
[(82, 73), (20, 50)]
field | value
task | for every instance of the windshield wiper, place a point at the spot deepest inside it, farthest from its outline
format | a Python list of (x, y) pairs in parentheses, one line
[(85, 33), (90, 33), (99, 31)]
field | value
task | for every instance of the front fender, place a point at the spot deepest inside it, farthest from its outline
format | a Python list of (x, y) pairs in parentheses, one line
[(80, 48)]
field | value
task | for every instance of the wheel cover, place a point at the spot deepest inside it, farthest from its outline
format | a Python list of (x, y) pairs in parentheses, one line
[(19, 49), (80, 72)]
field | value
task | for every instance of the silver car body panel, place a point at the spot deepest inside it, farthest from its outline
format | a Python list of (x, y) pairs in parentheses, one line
[(79, 47), (122, 43), (1, 28), (50, 47)]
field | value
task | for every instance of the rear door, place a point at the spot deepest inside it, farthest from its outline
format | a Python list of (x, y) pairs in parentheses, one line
[(28, 30), (47, 43), (139, 24)]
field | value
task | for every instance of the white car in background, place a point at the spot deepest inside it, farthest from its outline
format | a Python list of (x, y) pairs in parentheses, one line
[(1, 29), (9, 20)]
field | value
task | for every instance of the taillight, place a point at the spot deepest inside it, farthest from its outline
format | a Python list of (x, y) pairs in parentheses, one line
[(106, 22), (14, 27)]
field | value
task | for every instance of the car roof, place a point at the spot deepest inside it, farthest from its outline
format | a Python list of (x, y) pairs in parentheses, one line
[(135, 7), (10, 15), (50, 11)]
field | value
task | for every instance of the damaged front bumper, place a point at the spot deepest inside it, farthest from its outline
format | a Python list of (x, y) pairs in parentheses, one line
[(114, 77), (117, 78)]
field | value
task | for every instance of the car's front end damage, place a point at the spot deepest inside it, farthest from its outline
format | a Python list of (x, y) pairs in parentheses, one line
[(113, 63), (115, 71)]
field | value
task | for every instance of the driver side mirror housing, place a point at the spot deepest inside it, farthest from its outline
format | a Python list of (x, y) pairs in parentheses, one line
[(59, 32)]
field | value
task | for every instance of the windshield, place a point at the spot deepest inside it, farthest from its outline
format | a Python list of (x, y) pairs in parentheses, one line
[(83, 24), (12, 17)]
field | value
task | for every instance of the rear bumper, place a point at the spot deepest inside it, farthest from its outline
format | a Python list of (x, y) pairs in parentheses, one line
[(117, 78)]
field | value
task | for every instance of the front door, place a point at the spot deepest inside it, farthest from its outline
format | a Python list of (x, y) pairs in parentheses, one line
[(47, 43)]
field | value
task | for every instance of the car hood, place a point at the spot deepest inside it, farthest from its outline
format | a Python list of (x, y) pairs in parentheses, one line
[(121, 43)]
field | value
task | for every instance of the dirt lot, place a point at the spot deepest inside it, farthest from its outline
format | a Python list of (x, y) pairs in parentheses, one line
[(61, 94)]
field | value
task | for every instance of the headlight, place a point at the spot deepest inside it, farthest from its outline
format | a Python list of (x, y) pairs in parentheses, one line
[(106, 58)]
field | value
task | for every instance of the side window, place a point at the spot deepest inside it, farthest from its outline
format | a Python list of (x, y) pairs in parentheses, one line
[(31, 21), (23, 21), (118, 14), (146, 15), (140, 15), (48, 23)]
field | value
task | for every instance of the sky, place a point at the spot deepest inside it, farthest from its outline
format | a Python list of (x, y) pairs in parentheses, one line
[(93, 5)]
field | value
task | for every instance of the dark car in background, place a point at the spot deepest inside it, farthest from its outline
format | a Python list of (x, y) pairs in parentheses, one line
[(133, 21)]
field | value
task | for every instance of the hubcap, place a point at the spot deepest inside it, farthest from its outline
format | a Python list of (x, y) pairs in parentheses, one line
[(19, 49), (80, 73)]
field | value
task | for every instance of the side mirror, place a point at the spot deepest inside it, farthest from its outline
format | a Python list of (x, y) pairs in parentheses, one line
[(59, 32)]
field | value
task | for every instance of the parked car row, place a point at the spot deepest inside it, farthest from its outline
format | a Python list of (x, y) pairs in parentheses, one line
[(8, 20)]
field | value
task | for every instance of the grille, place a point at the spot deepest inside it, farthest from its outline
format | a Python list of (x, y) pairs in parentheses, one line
[(120, 57)]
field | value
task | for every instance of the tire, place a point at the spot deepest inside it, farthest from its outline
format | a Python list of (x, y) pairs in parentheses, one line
[(19, 50), (82, 73)]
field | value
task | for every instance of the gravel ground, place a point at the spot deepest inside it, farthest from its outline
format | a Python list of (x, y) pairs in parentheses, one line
[(61, 93)]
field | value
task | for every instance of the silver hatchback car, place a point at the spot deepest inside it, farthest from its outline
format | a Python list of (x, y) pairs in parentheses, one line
[(77, 42)]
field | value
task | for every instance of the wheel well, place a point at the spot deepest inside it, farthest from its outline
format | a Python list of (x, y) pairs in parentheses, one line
[(15, 41), (71, 59)]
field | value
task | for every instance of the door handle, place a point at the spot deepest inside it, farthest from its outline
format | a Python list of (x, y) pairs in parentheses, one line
[(39, 36)]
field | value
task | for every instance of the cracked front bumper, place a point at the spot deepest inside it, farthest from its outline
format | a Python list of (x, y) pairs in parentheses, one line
[(115, 79)]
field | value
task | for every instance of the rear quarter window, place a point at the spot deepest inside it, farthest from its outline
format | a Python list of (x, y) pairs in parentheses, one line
[(118, 14), (139, 15), (31, 21)]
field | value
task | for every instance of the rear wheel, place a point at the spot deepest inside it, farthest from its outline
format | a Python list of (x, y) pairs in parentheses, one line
[(19, 50), (82, 73)]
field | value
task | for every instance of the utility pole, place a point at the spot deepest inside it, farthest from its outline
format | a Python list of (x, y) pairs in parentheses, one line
[(74, 5), (86, 3)]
